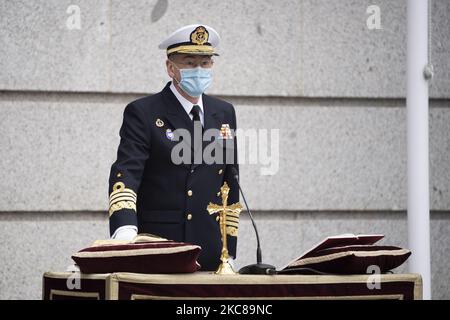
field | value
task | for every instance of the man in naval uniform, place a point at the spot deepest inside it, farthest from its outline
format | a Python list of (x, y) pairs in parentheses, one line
[(150, 192)]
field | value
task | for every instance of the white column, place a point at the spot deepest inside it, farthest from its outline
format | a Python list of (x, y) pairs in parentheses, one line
[(418, 155)]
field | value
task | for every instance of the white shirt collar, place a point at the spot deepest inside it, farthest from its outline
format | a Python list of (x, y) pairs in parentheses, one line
[(187, 105)]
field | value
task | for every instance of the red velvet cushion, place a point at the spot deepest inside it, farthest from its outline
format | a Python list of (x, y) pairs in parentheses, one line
[(145, 257), (351, 260)]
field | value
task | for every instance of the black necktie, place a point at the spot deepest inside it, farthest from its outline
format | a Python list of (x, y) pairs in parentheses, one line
[(195, 111)]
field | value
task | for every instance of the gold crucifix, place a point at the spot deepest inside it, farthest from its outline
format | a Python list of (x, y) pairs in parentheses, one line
[(228, 221)]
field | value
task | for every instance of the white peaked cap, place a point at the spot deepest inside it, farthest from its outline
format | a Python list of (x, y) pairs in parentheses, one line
[(192, 39)]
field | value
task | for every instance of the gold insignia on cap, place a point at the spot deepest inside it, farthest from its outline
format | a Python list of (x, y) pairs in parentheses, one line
[(200, 35), (159, 123)]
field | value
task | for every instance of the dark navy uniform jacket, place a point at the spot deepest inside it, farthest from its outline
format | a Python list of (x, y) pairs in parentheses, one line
[(159, 197)]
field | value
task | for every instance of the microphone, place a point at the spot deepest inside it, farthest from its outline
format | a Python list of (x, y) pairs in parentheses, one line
[(258, 267)]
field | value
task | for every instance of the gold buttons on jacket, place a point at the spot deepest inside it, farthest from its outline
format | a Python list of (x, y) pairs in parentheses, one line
[(189, 216), (159, 123), (217, 218), (220, 171), (190, 193), (119, 175), (218, 194)]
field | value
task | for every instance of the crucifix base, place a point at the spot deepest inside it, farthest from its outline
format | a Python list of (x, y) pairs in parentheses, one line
[(225, 268)]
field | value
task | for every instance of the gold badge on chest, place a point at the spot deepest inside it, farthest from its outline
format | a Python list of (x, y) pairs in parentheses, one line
[(225, 132)]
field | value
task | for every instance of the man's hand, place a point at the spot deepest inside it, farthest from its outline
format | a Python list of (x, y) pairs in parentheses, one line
[(128, 233)]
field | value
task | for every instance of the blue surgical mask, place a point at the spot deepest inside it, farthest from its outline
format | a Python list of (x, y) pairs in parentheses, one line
[(195, 81)]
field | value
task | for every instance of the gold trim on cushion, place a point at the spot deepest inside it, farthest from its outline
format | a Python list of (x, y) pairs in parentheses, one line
[(133, 252), (210, 278), (418, 288), (148, 237), (355, 297), (73, 293), (334, 256), (112, 288), (67, 274)]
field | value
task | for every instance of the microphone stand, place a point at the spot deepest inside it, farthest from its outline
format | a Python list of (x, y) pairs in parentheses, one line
[(258, 267)]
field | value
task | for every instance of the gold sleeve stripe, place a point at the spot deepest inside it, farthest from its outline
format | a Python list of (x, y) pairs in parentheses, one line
[(120, 199), (122, 205), (128, 191), (232, 231), (114, 193), (123, 194)]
